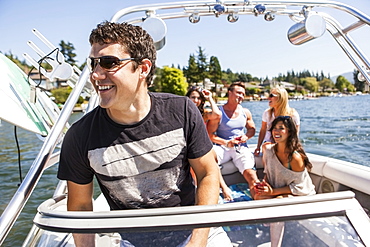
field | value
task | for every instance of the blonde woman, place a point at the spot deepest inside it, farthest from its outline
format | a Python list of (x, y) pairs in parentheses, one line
[(278, 106)]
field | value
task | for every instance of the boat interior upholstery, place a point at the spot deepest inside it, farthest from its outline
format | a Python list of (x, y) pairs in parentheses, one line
[(329, 175)]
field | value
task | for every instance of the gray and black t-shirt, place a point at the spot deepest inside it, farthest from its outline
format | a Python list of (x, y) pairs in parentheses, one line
[(144, 165)]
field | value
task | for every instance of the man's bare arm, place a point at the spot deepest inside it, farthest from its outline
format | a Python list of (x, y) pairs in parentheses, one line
[(250, 126), (79, 198), (215, 111), (208, 174), (261, 136)]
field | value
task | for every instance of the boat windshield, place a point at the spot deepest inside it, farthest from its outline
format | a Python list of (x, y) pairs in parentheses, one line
[(332, 219), (322, 231)]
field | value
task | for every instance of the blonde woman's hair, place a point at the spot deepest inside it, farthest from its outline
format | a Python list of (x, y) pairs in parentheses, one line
[(283, 108)]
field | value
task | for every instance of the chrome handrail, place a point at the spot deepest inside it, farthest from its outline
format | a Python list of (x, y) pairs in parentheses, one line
[(348, 47), (360, 61)]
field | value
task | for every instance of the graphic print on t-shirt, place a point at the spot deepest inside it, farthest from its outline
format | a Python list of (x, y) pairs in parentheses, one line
[(131, 171)]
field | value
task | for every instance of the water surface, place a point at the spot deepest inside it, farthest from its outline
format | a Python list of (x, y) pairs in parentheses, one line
[(337, 127)]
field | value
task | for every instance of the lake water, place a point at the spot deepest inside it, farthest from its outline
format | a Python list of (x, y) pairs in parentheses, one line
[(337, 127)]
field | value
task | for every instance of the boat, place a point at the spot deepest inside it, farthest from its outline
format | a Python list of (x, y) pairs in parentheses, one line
[(338, 215)]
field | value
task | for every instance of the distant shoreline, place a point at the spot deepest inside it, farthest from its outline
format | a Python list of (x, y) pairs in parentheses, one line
[(223, 100)]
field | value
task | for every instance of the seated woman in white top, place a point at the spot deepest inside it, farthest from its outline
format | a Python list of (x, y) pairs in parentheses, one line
[(278, 106)]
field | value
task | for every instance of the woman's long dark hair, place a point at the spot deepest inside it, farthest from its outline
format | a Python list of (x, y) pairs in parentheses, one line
[(292, 143), (202, 98)]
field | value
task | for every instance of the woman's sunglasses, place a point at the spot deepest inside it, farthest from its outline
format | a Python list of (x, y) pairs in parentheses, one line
[(106, 62), (283, 117), (272, 95)]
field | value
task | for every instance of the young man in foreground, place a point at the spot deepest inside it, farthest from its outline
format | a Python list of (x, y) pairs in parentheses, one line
[(139, 145)]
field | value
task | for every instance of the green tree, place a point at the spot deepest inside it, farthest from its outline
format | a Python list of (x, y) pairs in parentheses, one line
[(296, 81), (244, 77), (351, 88), (311, 84), (256, 79), (342, 84), (68, 51), (305, 74), (289, 76), (172, 80), (229, 76), (253, 90), (61, 95), (191, 72), (215, 72), (322, 76), (202, 64), (326, 84), (198, 67)]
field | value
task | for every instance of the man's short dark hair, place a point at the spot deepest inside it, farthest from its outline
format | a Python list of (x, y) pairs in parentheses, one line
[(135, 40), (234, 84)]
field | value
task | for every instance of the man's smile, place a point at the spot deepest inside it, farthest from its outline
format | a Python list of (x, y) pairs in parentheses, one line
[(104, 87)]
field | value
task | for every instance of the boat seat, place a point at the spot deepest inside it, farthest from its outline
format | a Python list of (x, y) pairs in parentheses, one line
[(232, 175), (229, 167), (318, 164), (336, 175), (348, 174)]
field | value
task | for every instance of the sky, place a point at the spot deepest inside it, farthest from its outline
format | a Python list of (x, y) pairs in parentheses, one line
[(250, 45)]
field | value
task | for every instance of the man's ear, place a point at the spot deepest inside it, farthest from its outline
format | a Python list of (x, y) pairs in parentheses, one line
[(145, 67)]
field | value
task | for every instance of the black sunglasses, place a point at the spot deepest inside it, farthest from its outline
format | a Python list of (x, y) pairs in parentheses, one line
[(283, 117), (272, 95), (106, 62)]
